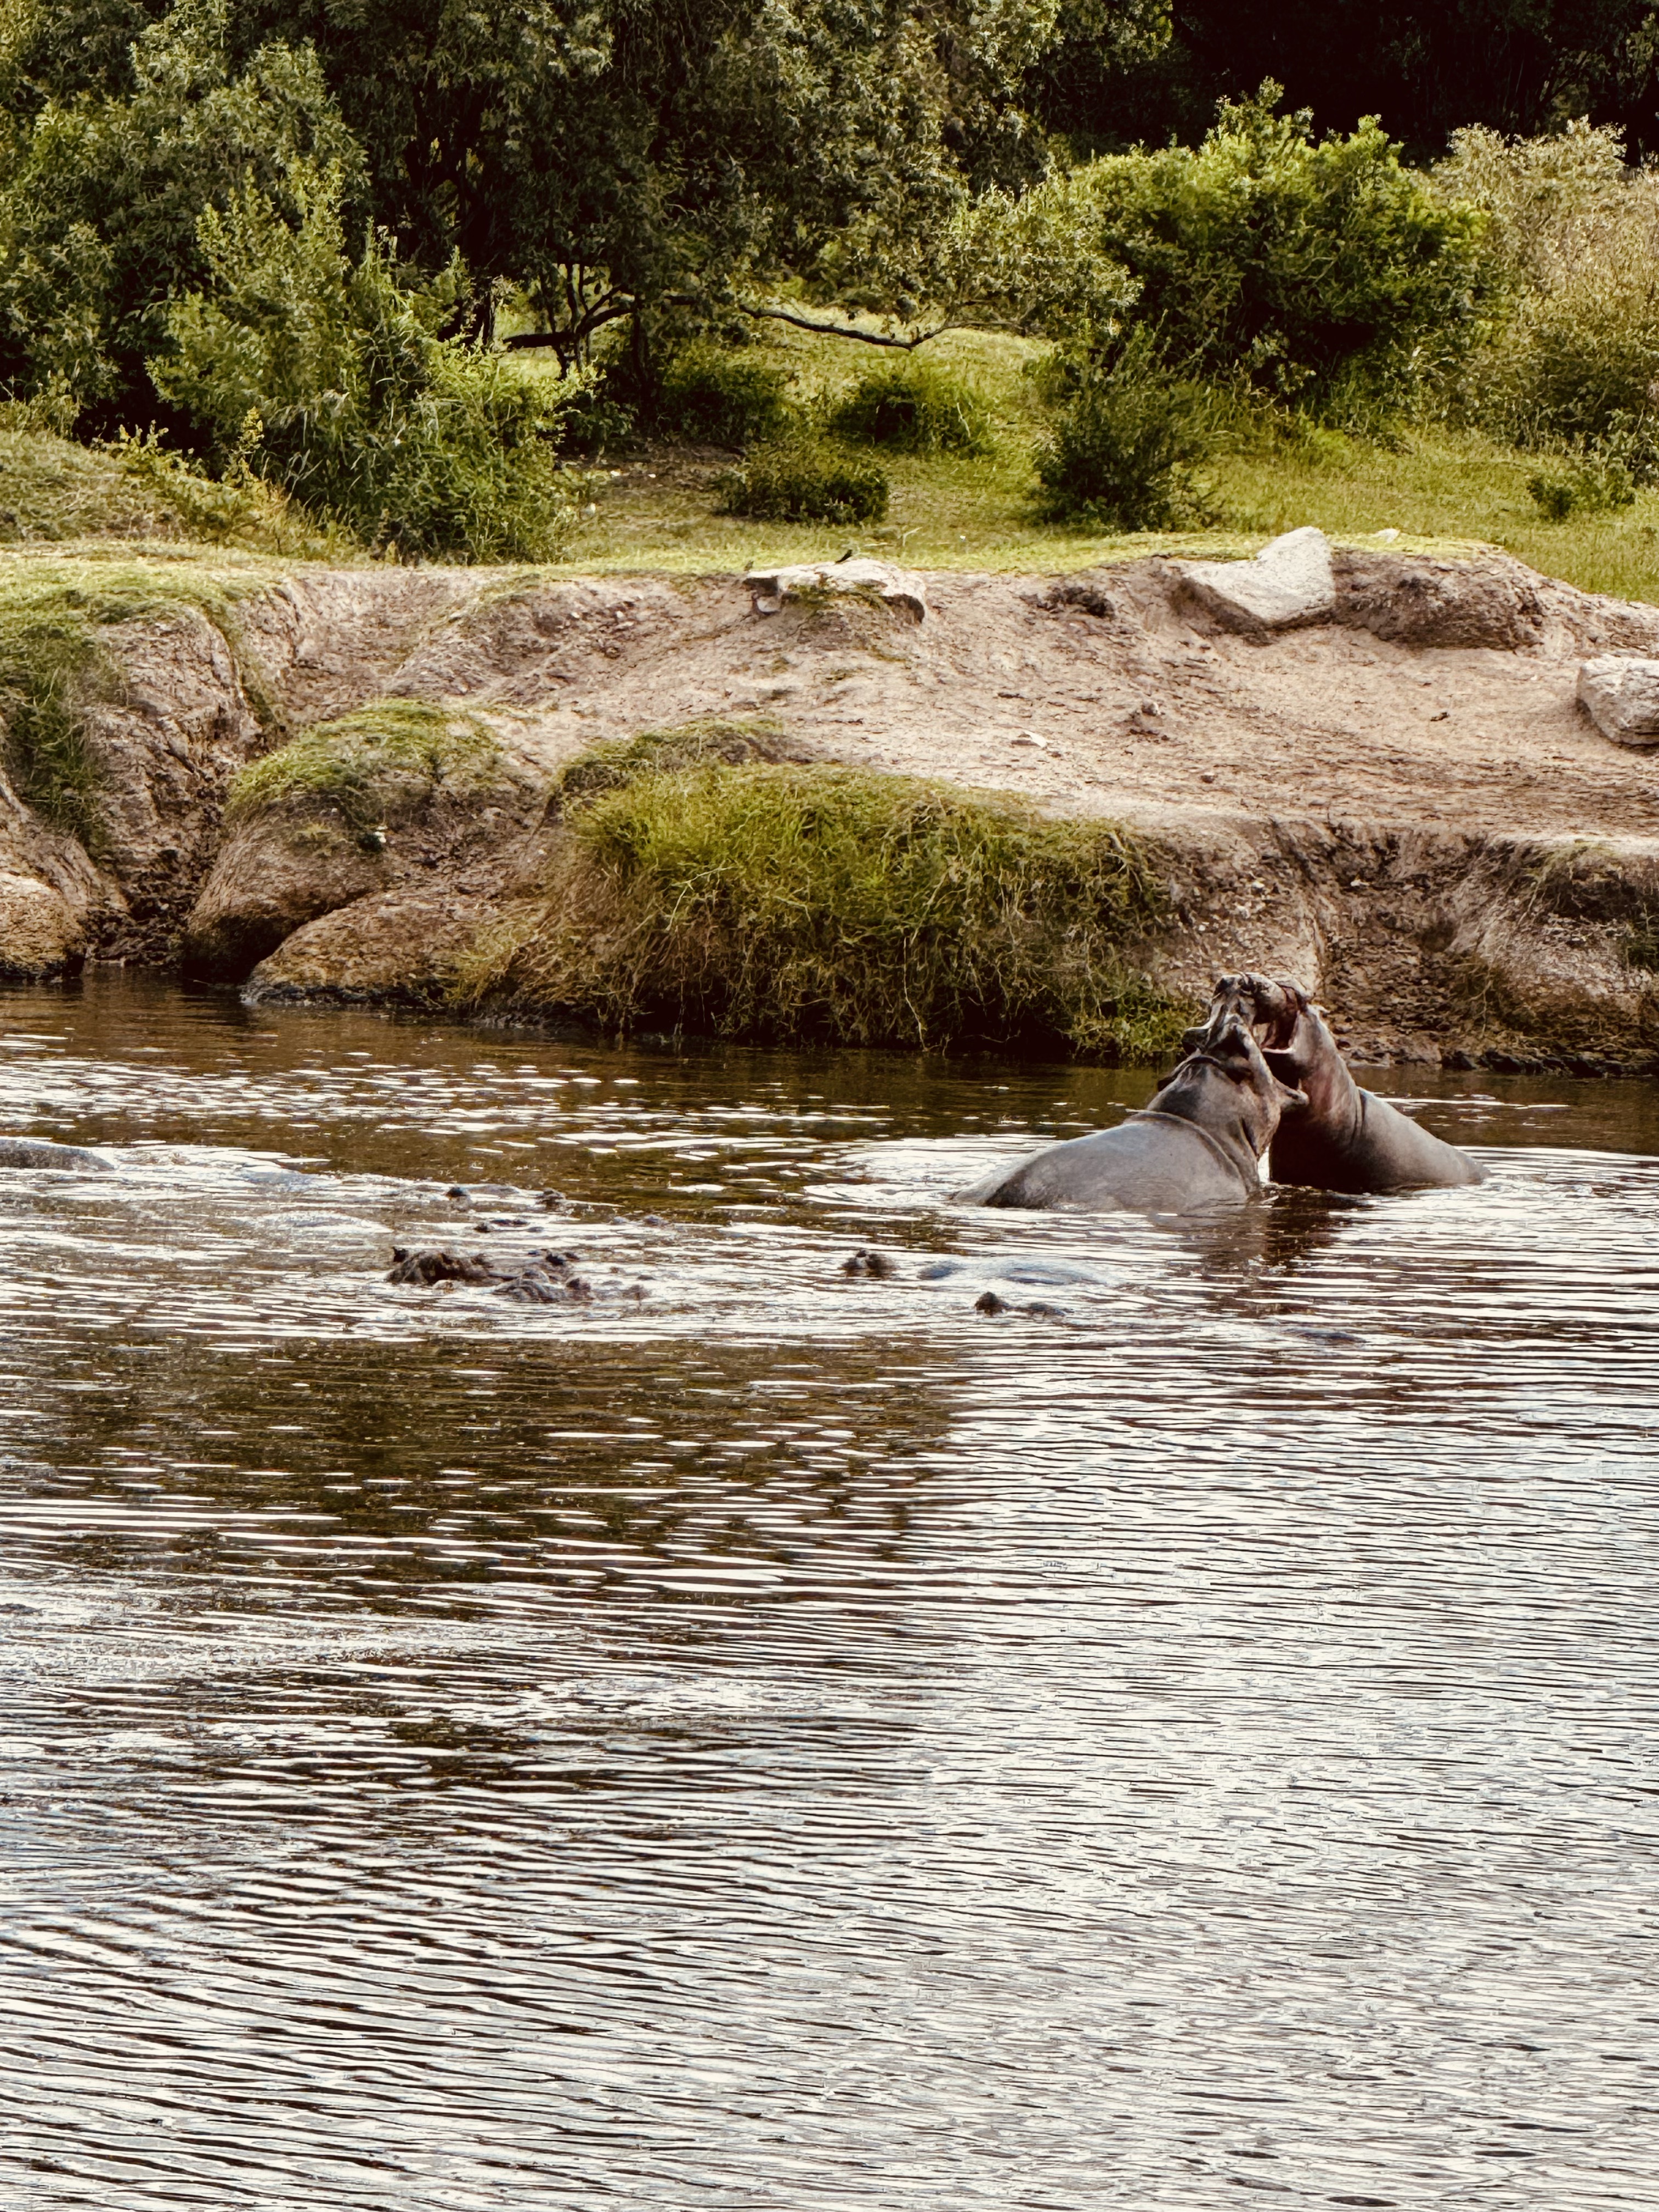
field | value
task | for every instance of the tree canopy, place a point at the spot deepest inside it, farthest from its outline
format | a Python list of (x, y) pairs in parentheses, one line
[(1425, 68)]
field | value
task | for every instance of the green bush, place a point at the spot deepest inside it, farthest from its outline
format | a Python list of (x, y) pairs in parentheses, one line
[(1327, 274), (329, 377), (1588, 485), (594, 420), (1572, 238), (714, 395), (1125, 434), (805, 480), (914, 408), (1577, 364), (100, 201)]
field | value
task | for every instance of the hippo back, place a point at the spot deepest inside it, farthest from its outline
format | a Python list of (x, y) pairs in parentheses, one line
[(1374, 1148), (1150, 1163), (41, 1152)]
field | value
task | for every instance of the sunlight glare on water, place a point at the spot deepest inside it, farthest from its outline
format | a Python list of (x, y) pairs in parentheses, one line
[(788, 1739)]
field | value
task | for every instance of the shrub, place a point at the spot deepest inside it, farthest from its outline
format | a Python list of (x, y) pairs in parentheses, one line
[(1588, 485), (785, 903), (805, 480), (1119, 451), (330, 378), (100, 198), (914, 408), (716, 395), (1576, 363), (1321, 273), (595, 419), (1573, 237)]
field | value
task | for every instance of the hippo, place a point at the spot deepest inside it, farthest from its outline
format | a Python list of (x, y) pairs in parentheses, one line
[(1196, 1148), (41, 1152), (1342, 1138)]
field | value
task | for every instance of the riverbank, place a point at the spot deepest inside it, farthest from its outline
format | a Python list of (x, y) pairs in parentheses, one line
[(356, 784)]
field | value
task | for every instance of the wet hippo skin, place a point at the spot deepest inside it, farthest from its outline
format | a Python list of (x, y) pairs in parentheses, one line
[(40, 1152), (1196, 1148), (1342, 1138)]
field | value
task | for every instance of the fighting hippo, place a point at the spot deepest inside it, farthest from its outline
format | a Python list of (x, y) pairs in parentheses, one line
[(41, 1152), (1194, 1149), (1341, 1137)]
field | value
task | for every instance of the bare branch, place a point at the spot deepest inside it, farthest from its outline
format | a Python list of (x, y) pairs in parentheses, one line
[(848, 329)]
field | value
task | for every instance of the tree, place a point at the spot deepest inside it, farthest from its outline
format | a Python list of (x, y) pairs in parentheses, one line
[(1425, 68), (100, 209), (624, 162)]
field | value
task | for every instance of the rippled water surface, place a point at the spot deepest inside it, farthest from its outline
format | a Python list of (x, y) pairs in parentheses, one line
[(790, 1740)]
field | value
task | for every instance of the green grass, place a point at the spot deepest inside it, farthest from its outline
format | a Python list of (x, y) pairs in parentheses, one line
[(786, 904), (370, 764), (1442, 490), (52, 491)]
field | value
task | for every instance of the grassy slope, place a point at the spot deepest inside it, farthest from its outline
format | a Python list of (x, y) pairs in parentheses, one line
[(1437, 488)]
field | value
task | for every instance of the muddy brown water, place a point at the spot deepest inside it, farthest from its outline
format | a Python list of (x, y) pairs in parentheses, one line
[(795, 1741)]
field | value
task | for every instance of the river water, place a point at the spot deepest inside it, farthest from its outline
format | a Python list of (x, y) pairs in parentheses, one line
[(790, 1740)]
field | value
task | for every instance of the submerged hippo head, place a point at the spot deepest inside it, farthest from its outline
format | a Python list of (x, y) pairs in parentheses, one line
[(1224, 1081)]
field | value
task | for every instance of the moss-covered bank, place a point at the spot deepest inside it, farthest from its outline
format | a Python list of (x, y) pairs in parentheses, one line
[(783, 901)]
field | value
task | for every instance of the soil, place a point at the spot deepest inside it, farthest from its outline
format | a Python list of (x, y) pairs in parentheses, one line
[(1403, 807)]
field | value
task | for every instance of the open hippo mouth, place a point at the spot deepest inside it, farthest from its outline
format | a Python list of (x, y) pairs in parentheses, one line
[(1249, 1018), (1267, 1013)]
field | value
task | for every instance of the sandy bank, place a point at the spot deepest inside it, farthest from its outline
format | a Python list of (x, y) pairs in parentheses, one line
[(1401, 802)]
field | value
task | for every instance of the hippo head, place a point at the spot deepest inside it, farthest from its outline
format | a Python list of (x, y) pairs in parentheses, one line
[(1224, 1081), (1296, 1043)]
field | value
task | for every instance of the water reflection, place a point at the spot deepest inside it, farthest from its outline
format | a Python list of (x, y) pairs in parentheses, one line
[(795, 1741)]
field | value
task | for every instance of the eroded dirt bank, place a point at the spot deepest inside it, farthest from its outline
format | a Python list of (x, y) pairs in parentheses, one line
[(1399, 802)]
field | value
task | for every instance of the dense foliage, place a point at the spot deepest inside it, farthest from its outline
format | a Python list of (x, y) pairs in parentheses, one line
[(104, 196), (1312, 269), (279, 233), (1574, 238), (630, 163), (331, 377)]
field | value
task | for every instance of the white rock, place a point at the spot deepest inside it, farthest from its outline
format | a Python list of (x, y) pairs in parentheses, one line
[(1288, 585), (898, 587), (1621, 696)]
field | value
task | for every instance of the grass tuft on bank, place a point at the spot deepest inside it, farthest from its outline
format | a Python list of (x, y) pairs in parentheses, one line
[(53, 490), (365, 764), (784, 903)]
